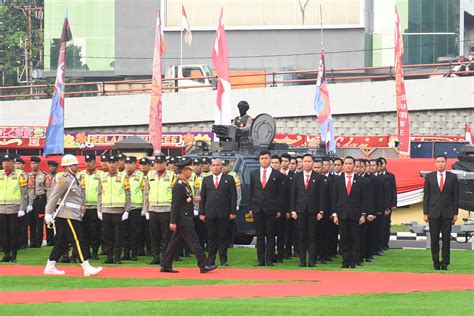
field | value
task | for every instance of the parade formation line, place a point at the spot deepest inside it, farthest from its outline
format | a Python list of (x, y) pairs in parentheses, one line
[(329, 283)]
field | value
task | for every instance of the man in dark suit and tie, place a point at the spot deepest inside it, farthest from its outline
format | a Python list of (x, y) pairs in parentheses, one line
[(288, 176), (266, 193), (440, 209), (306, 210), (350, 200), (217, 208), (390, 187)]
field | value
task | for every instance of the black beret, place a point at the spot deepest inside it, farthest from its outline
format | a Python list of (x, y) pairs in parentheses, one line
[(144, 161), (53, 163), (131, 159), (35, 159), (89, 157)]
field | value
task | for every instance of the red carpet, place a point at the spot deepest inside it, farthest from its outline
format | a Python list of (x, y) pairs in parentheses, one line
[(330, 283)]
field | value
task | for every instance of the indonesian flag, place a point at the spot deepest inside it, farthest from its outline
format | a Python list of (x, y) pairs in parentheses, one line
[(221, 64), (468, 137), (188, 36)]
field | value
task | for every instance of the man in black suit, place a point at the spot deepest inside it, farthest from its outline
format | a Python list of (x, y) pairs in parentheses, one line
[(266, 192), (281, 221), (217, 208), (390, 195), (350, 199), (288, 176), (326, 228), (440, 209), (182, 223), (306, 209)]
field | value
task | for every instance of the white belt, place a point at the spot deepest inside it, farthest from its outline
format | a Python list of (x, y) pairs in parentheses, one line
[(73, 205)]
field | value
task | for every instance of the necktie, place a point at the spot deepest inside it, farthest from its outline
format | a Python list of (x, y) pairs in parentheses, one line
[(216, 184), (349, 185), (307, 181), (441, 182), (264, 178)]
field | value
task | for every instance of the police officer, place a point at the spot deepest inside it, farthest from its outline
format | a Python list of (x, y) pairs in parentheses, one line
[(22, 221), (13, 203), (104, 163), (206, 166), (67, 219), (121, 163), (36, 203), (113, 205), (90, 178), (133, 228), (145, 167), (195, 182), (156, 206), (181, 222)]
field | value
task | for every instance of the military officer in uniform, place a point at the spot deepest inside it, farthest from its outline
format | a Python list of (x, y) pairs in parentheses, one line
[(13, 203), (36, 203), (90, 178), (67, 219), (181, 222), (156, 206), (195, 182), (113, 206)]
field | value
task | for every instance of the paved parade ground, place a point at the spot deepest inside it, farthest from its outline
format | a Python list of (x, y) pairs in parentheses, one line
[(401, 281)]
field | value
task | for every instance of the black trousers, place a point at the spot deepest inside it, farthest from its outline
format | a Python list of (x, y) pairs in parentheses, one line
[(184, 232), (160, 233), (387, 225), (9, 232), (443, 226), (333, 238), (370, 239), (362, 241), (307, 226), (379, 232), (217, 230), (91, 228), (322, 241), (69, 231), (280, 235), (23, 232), (111, 229), (265, 229), (350, 243), (147, 238), (131, 230), (201, 231), (289, 227), (36, 223)]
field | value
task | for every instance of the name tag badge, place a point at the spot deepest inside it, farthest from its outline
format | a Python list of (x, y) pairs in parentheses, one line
[(166, 180), (152, 179)]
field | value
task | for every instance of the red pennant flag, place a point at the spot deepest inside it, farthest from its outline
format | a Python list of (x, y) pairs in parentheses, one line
[(468, 136)]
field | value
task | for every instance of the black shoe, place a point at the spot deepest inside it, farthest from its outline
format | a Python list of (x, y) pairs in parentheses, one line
[(302, 264), (155, 260), (117, 261), (13, 260), (126, 255), (133, 256), (269, 264), (368, 259), (225, 264), (6, 258), (260, 264), (170, 270), (378, 253), (312, 264), (141, 252), (109, 260), (178, 259), (360, 263), (149, 253), (95, 254), (353, 265), (444, 267), (345, 266), (64, 259), (208, 268), (324, 261)]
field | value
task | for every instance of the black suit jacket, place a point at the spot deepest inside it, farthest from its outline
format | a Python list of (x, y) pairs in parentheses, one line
[(180, 207), (377, 193), (270, 199), (306, 200), (350, 206), (327, 203), (438, 204), (370, 193), (220, 202), (287, 185), (390, 194)]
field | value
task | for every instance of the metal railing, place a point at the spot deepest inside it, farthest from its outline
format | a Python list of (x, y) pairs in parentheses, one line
[(334, 75)]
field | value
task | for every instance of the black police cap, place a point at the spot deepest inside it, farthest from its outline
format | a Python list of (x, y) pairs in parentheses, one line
[(104, 158), (53, 163), (90, 157), (35, 159), (131, 159), (184, 162), (160, 158), (144, 161), (7, 157)]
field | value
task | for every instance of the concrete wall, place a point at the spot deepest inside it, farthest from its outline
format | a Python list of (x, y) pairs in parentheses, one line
[(437, 106)]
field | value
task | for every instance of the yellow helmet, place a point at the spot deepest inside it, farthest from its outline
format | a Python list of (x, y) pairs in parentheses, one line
[(69, 160)]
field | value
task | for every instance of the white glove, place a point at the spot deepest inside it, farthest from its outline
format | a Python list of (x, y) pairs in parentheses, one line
[(124, 216), (142, 213), (48, 218), (21, 213), (147, 216), (29, 208), (99, 215), (196, 213)]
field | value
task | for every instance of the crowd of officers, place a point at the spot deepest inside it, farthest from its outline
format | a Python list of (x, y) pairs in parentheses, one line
[(299, 206)]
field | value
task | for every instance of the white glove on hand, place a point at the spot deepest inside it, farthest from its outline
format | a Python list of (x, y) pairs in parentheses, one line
[(48, 218), (147, 216), (29, 208), (99, 215), (21, 213), (124, 216), (143, 213), (196, 213)]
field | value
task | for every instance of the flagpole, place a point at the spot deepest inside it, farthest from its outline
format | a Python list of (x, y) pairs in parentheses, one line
[(181, 37), (321, 20)]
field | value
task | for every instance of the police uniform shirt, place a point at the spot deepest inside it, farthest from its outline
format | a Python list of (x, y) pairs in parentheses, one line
[(72, 206)]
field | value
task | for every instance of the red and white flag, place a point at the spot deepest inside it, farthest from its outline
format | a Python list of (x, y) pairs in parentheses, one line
[(401, 97), (468, 137), (188, 36), (221, 64), (156, 106)]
